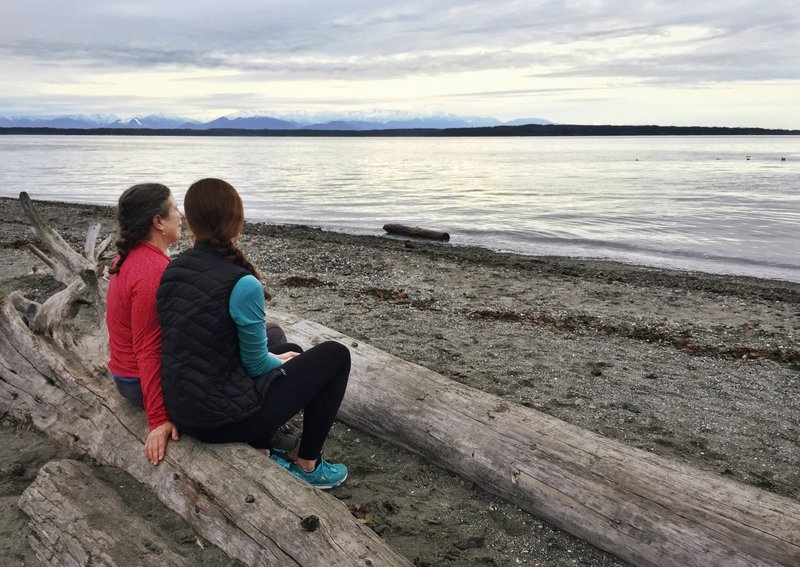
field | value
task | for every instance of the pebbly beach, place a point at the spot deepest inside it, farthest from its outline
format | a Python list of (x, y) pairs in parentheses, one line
[(703, 369)]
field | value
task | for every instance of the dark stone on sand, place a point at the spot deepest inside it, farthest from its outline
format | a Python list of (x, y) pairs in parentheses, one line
[(633, 408), (471, 543), (390, 506)]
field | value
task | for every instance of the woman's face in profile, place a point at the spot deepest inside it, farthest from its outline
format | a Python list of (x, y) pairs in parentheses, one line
[(172, 223)]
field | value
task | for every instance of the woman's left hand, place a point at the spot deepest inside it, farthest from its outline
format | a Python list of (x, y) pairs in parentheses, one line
[(287, 356), (155, 446)]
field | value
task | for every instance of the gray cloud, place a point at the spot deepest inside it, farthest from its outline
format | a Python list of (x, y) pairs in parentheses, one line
[(266, 41), (107, 55), (350, 39), (516, 93)]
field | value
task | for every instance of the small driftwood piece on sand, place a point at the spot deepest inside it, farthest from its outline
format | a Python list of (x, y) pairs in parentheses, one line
[(416, 232), (230, 494), (70, 533), (643, 508)]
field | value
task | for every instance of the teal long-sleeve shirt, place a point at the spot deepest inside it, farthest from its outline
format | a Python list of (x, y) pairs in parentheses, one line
[(246, 306)]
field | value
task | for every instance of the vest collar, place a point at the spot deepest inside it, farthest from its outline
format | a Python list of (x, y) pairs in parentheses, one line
[(205, 246)]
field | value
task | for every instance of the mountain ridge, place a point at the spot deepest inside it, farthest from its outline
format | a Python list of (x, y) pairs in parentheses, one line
[(348, 121)]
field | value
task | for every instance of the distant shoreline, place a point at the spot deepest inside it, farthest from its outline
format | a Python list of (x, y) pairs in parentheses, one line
[(485, 248), (526, 130)]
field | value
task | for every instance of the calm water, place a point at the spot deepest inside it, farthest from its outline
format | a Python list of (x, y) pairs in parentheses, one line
[(686, 202)]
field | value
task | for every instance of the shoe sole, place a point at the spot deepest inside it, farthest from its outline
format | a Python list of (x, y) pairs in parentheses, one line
[(329, 486), (322, 486)]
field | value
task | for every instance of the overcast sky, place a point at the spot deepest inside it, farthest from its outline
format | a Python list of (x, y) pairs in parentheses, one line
[(720, 62)]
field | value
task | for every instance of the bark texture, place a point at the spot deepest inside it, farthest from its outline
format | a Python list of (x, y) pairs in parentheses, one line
[(643, 508), (79, 521)]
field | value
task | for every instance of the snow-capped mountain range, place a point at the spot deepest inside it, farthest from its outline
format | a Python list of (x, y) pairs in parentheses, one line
[(373, 120)]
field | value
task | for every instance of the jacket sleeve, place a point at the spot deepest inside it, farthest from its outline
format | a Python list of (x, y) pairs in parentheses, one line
[(146, 335), (246, 306)]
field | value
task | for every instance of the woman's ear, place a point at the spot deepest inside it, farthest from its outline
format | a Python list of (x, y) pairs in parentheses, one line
[(158, 223)]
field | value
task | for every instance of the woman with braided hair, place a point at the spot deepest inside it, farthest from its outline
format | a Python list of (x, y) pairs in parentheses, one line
[(220, 382), (149, 222)]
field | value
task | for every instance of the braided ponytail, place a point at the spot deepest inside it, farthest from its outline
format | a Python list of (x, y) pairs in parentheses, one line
[(135, 211), (233, 253), (215, 214)]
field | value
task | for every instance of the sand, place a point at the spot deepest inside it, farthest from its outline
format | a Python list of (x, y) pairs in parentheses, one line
[(701, 368)]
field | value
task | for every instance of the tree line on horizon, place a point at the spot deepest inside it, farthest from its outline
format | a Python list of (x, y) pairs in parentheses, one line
[(524, 130)]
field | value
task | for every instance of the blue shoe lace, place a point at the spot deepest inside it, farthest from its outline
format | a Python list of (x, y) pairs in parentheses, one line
[(325, 475)]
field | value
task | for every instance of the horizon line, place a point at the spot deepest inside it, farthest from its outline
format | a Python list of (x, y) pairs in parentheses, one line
[(496, 130)]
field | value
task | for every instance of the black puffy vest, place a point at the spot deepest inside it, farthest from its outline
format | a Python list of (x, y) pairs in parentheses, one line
[(202, 377)]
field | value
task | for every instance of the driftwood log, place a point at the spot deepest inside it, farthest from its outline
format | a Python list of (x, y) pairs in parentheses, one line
[(70, 533), (416, 232), (230, 494), (643, 508), (80, 274), (64, 262)]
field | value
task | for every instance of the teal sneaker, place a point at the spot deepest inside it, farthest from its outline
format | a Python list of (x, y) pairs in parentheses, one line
[(282, 453), (325, 476), (279, 460)]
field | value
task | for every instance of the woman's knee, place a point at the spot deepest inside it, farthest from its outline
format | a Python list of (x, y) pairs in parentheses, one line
[(275, 335), (335, 355), (336, 350)]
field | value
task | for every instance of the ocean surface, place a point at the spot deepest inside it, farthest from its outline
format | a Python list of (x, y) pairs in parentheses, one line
[(715, 204)]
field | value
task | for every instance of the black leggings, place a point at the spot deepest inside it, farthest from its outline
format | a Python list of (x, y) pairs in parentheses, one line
[(314, 382)]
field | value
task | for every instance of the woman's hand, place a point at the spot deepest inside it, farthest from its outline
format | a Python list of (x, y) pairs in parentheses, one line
[(155, 446), (287, 356)]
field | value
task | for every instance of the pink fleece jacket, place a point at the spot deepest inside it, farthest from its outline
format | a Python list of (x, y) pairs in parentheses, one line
[(133, 329)]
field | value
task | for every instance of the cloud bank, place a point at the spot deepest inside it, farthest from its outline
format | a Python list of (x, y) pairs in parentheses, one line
[(587, 61)]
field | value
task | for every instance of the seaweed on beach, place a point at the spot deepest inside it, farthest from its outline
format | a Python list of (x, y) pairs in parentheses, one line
[(679, 339), (387, 294), (302, 281)]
